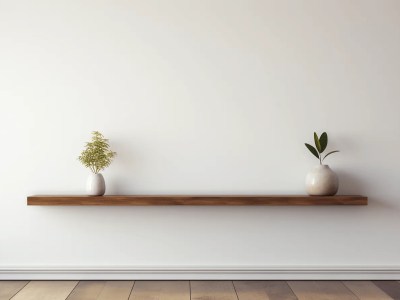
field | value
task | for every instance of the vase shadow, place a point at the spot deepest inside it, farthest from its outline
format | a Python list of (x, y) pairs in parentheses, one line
[(350, 184)]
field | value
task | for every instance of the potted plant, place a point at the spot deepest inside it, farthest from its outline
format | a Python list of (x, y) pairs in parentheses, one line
[(321, 180), (97, 156)]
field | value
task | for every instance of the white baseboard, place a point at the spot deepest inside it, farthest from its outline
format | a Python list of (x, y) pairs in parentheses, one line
[(202, 273)]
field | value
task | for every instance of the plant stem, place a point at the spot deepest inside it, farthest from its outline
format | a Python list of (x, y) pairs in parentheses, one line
[(93, 168), (320, 161)]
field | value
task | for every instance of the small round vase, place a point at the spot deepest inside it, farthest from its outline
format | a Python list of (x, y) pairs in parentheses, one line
[(95, 185), (322, 181)]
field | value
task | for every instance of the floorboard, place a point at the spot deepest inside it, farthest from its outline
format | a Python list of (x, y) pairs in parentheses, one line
[(392, 288), (263, 290), (87, 290), (200, 290), (366, 290), (10, 288), (317, 290), (116, 290), (46, 290), (102, 290), (212, 290), (160, 290)]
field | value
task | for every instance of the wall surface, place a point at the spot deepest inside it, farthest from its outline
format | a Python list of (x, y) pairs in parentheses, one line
[(199, 97)]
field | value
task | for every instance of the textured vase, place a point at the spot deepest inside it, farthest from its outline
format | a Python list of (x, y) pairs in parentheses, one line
[(95, 185), (322, 181)]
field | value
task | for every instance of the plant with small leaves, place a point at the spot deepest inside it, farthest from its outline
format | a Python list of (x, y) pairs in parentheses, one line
[(320, 145), (97, 155)]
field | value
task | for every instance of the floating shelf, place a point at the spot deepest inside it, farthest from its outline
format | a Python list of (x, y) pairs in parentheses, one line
[(211, 200)]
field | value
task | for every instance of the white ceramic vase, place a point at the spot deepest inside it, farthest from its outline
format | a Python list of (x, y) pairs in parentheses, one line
[(322, 181), (95, 185)]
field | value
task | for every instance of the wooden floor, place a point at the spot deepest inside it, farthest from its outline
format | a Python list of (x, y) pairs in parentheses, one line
[(199, 290)]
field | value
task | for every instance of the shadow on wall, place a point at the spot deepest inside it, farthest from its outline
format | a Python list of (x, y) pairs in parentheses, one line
[(123, 164), (353, 184)]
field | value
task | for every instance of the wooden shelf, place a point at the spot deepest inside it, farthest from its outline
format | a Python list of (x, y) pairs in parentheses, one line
[(215, 200)]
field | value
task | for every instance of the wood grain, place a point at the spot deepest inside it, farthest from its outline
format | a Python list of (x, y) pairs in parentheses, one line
[(116, 290), (160, 290), (317, 290), (46, 290), (366, 290), (87, 290), (201, 290), (220, 200), (10, 288), (212, 290), (263, 290), (392, 288)]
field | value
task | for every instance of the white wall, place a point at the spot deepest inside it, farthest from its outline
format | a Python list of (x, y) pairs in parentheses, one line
[(199, 97)]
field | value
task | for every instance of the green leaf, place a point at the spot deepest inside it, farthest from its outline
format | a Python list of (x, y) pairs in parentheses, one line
[(323, 140), (330, 154), (97, 155), (317, 144), (312, 150)]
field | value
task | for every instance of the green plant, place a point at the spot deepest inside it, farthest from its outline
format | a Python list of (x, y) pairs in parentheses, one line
[(320, 145), (97, 156)]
